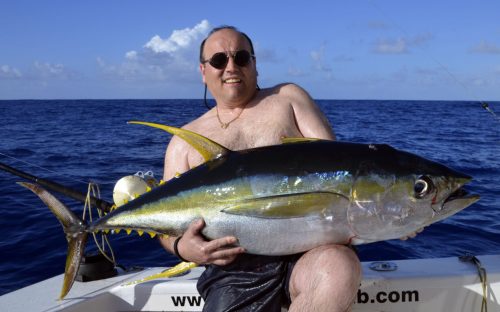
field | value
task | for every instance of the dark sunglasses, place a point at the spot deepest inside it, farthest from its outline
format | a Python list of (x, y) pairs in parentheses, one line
[(219, 60)]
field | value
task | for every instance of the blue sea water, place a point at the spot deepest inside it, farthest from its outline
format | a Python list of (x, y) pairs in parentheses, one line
[(76, 141)]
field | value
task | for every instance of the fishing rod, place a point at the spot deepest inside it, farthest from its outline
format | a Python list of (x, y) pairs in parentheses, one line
[(488, 109), (59, 188)]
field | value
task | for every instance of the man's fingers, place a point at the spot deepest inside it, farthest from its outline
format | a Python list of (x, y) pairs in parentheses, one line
[(195, 227), (222, 242), (227, 253)]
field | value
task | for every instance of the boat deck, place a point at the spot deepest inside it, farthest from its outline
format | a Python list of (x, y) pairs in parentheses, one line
[(444, 284)]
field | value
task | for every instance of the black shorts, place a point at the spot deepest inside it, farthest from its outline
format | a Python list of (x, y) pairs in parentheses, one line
[(250, 283)]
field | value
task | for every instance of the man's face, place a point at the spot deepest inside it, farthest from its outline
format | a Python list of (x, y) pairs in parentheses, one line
[(234, 85)]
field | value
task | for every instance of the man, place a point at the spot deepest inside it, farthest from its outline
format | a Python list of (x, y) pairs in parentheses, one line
[(323, 279)]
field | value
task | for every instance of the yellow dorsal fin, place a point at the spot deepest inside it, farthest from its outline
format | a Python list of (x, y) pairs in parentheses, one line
[(286, 140), (206, 147)]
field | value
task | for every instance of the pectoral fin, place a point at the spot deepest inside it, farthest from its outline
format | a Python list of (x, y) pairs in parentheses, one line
[(289, 205)]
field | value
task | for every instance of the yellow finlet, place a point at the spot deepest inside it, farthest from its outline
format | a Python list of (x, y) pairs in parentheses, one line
[(206, 147), (140, 233), (152, 234), (172, 272), (286, 140), (128, 231)]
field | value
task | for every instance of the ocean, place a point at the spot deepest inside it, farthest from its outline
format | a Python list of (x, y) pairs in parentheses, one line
[(76, 141)]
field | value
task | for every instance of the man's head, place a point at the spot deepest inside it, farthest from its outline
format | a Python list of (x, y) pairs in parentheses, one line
[(216, 29), (228, 67)]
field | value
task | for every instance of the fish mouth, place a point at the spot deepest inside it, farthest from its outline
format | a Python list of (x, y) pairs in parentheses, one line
[(459, 200)]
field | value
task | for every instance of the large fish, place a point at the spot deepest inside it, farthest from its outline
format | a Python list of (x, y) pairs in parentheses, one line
[(285, 199)]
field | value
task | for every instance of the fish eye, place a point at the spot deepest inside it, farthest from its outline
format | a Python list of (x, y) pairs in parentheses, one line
[(423, 186)]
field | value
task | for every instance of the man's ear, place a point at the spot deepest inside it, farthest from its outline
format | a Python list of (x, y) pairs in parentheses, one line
[(202, 71)]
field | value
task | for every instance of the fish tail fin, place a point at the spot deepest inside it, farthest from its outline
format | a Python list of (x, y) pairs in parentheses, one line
[(74, 228)]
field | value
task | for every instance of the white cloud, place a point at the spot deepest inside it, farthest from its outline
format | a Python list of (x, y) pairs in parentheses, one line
[(390, 46), (131, 55), (46, 71), (400, 45), (319, 63), (174, 58), (179, 39), (486, 48), (7, 72), (49, 70)]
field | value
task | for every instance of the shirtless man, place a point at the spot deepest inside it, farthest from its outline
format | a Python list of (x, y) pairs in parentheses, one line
[(323, 279)]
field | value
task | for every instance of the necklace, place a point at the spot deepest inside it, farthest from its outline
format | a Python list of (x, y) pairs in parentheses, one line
[(224, 125)]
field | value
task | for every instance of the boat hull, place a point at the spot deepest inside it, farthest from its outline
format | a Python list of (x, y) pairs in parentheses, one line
[(444, 284)]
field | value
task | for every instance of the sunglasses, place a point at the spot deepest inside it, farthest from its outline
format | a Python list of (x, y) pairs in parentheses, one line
[(219, 60)]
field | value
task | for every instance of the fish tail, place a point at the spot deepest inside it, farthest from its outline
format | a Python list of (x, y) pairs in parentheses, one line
[(74, 228)]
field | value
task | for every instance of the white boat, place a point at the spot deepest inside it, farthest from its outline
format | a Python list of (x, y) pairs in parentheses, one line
[(427, 285)]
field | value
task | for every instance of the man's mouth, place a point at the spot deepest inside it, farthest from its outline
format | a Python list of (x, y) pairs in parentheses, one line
[(232, 80)]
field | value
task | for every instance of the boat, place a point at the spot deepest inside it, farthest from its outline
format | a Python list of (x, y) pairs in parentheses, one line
[(466, 283)]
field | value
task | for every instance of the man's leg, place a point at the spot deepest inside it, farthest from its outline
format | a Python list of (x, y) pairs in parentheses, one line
[(325, 279)]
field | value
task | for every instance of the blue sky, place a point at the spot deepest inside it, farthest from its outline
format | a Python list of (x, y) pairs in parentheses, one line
[(394, 49)]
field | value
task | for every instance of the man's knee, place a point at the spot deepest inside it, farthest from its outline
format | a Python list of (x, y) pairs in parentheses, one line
[(329, 268)]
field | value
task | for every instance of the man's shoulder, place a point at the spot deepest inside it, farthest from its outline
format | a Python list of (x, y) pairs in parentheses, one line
[(290, 91), (286, 88)]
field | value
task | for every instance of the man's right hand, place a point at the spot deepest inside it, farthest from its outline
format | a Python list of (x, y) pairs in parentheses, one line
[(195, 248)]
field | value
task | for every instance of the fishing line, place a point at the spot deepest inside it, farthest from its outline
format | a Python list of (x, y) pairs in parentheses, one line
[(74, 179), (439, 64), (94, 189)]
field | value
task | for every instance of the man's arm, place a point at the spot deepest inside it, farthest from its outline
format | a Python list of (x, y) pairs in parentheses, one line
[(310, 120), (193, 246)]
